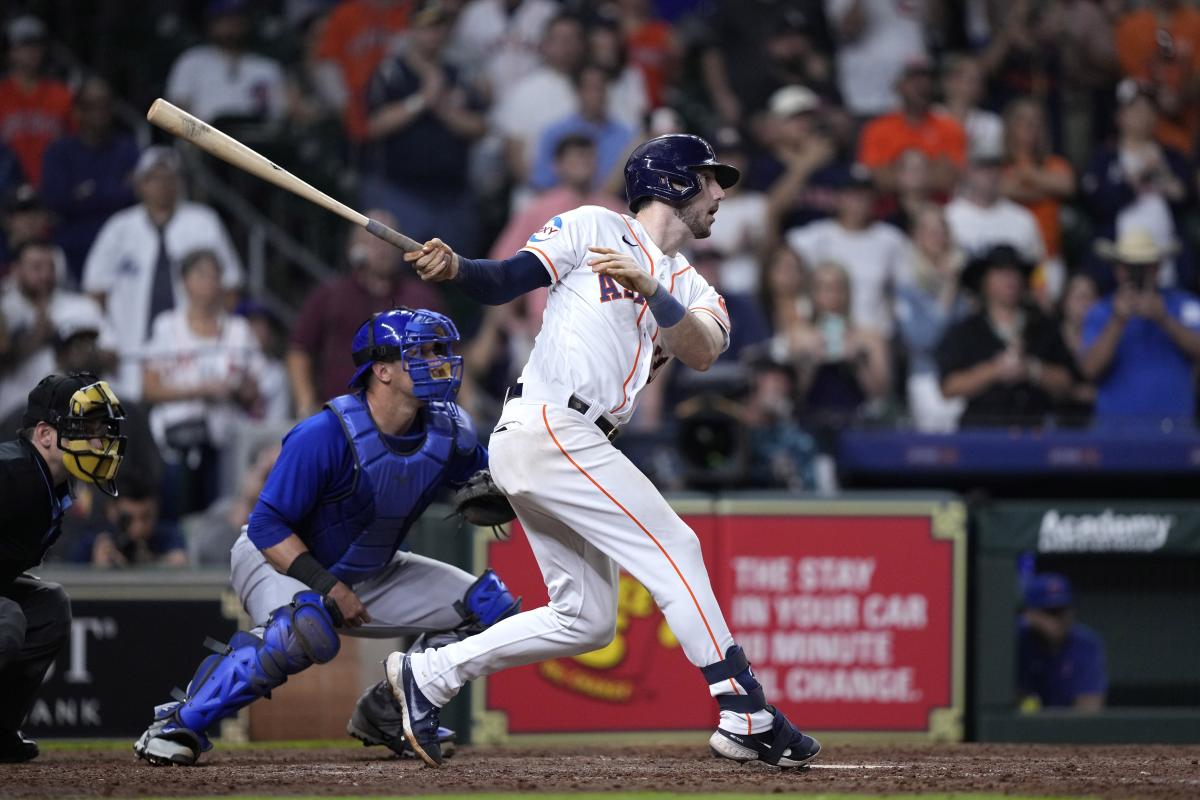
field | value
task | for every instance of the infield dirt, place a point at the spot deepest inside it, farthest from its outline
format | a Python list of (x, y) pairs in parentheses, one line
[(1105, 771)]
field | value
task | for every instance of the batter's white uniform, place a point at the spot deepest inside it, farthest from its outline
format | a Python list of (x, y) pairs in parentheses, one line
[(584, 506)]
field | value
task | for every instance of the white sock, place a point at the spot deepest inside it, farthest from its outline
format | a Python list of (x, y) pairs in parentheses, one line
[(759, 722), (740, 722), (429, 688)]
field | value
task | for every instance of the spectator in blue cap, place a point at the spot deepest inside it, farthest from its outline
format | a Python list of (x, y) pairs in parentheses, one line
[(1060, 663)]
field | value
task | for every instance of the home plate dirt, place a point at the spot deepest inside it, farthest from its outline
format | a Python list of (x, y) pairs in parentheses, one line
[(1128, 771)]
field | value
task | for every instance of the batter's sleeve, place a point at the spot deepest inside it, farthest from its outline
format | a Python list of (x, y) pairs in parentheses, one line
[(561, 244)]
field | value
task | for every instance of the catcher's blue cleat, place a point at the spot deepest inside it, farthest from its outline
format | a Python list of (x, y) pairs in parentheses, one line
[(167, 743), (420, 717), (782, 746)]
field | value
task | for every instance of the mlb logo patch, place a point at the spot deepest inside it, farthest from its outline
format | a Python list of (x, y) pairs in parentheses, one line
[(547, 231)]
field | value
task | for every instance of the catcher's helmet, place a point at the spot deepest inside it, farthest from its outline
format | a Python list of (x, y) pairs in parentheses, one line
[(664, 168), (87, 417), (403, 334)]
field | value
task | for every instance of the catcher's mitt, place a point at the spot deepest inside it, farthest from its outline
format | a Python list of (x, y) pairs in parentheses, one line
[(480, 503)]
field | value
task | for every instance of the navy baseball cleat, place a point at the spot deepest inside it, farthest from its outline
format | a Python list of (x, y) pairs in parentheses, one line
[(377, 720), (15, 748), (420, 717), (782, 746)]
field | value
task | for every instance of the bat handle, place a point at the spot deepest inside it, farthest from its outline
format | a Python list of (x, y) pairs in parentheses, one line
[(392, 237)]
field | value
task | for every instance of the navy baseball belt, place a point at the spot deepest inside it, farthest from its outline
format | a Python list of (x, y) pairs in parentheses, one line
[(575, 403)]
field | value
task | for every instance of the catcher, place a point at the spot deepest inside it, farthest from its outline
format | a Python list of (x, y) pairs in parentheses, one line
[(320, 555)]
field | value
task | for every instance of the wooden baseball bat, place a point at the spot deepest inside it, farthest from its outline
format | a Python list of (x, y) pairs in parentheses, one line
[(176, 121)]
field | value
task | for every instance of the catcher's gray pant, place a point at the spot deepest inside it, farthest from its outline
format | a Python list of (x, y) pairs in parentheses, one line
[(413, 594)]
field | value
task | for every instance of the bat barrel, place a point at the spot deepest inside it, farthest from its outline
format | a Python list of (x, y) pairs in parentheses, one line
[(176, 121)]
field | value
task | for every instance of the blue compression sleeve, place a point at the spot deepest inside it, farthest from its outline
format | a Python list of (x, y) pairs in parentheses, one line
[(496, 282), (666, 309)]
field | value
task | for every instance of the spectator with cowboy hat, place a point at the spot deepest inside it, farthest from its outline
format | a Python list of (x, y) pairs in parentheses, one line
[(1142, 343), (1007, 359)]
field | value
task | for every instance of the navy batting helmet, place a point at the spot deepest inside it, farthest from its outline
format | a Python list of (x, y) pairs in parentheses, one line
[(403, 334), (665, 168)]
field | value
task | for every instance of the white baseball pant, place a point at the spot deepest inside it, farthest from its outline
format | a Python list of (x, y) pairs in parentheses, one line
[(585, 509)]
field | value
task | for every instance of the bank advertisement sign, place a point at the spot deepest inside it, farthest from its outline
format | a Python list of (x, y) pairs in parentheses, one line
[(122, 658)]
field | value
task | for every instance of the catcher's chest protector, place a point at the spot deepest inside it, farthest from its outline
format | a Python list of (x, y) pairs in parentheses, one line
[(390, 489)]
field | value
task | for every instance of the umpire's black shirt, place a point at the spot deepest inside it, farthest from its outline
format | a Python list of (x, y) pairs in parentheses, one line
[(31, 509)]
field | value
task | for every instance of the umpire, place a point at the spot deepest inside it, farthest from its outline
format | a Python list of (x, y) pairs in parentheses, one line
[(71, 429)]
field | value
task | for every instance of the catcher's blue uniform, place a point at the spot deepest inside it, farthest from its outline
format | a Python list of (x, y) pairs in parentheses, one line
[(350, 493)]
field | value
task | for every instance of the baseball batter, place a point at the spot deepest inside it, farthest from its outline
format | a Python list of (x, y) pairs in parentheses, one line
[(622, 302)]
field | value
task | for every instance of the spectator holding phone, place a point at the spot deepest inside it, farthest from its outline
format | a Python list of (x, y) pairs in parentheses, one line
[(1142, 343), (843, 366), (1007, 360), (135, 534)]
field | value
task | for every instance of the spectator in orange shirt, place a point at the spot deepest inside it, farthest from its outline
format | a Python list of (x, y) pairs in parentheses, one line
[(650, 46), (1038, 180), (357, 36), (34, 111), (1160, 44), (914, 126)]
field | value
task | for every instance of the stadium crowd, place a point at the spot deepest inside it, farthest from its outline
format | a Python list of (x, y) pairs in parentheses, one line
[(952, 214)]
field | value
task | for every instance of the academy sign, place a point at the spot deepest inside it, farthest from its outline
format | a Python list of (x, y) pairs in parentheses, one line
[(1104, 532)]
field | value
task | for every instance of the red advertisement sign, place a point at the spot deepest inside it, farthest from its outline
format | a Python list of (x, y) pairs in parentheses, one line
[(849, 622)]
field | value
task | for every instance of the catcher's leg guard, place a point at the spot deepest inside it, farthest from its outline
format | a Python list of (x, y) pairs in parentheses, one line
[(486, 602), (297, 636)]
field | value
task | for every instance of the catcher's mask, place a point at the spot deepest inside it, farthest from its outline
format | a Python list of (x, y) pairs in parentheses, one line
[(423, 341), (87, 417)]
